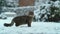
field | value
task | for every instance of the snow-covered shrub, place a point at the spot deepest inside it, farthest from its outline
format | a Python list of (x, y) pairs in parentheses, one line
[(54, 12), (2, 3), (41, 14), (12, 3), (45, 11)]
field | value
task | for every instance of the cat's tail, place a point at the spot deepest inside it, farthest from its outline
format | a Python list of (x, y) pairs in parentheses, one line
[(6, 24)]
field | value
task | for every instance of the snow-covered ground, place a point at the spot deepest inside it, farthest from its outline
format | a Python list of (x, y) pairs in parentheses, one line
[(36, 28)]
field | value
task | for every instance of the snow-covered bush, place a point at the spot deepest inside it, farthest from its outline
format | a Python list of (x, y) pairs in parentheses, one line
[(12, 3), (54, 12), (44, 11), (2, 3)]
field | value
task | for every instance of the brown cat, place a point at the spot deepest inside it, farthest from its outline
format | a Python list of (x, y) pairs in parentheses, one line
[(19, 20)]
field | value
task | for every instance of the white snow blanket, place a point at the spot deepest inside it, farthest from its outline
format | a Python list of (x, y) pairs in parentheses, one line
[(36, 28)]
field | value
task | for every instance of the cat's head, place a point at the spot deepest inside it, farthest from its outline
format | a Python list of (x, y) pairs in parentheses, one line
[(31, 14)]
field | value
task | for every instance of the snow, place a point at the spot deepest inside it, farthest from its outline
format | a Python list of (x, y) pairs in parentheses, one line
[(56, 4), (36, 28)]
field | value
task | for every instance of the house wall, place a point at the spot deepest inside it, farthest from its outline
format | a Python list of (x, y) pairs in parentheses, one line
[(26, 2)]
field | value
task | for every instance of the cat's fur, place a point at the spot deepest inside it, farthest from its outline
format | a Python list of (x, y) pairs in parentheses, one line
[(19, 20)]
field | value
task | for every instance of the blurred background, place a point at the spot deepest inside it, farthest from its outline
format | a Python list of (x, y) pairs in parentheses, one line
[(44, 10)]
